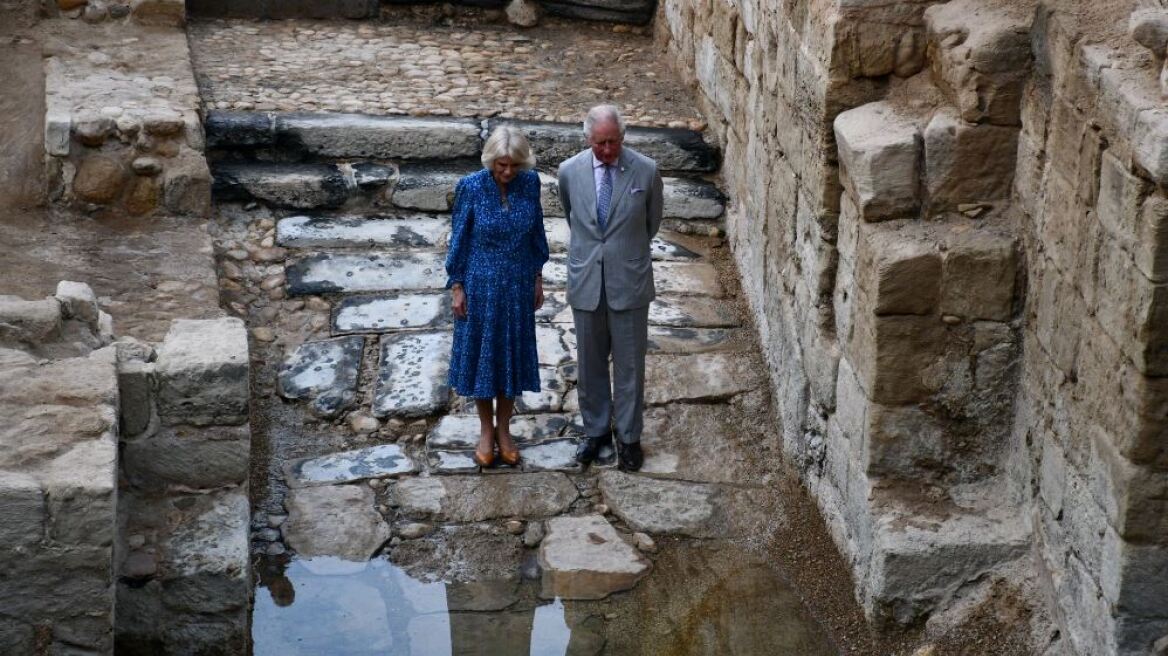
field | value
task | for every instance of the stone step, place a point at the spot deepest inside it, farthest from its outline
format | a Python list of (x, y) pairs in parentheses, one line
[(480, 498), (382, 461), (707, 377), (327, 273), (300, 186), (461, 432), (392, 311), (420, 231), (323, 373), (397, 138), (411, 379), (335, 520), (696, 510)]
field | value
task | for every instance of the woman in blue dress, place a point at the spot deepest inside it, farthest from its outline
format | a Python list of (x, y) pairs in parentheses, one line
[(494, 263)]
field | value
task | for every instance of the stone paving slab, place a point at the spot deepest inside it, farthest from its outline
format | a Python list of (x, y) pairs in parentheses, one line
[(324, 373), (700, 377), (700, 442), (455, 432), (665, 310), (398, 67), (666, 339), (692, 199), (479, 498), (698, 510), (411, 380), (303, 186), (428, 188), (554, 345), (670, 277), (452, 462), (382, 461), (673, 149), (391, 312), (550, 398), (554, 455), (585, 558), (362, 232), (325, 273)]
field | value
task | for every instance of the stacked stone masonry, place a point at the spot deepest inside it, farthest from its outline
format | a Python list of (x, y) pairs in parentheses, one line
[(948, 222)]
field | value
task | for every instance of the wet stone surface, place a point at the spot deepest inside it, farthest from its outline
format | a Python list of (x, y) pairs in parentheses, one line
[(383, 461), (391, 312), (585, 558), (323, 373), (362, 232), (342, 272)]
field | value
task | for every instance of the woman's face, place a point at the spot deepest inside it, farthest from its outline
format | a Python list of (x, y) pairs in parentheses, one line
[(504, 170)]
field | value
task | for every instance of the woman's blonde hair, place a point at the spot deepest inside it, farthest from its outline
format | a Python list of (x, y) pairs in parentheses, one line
[(508, 141)]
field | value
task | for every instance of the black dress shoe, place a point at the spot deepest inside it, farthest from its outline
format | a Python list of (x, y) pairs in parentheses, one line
[(629, 456), (589, 447)]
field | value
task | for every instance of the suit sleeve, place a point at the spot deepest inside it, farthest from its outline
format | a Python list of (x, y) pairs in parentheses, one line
[(539, 244), (561, 187), (460, 227), (656, 203)]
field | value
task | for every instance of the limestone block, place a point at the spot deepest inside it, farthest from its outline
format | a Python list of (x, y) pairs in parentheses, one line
[(93, 129), (1148, 26), (380, 137), (879, 154), (335, 520), (585, 558), (23, 516), (204, 567), (1150, 138), (980, 55), (967, 163), (58, 132), (980, 268), (186, 185), (478, 498), (203, 372), (904, 442), (1133, 310), (324, 373), (1134, 497), (136, 392), (28, 322), (77, 301), (900, 271), (1133, 215), (523, 13), (81, 489), (99, 179), (159, 12), (195, 458), (892, 355)]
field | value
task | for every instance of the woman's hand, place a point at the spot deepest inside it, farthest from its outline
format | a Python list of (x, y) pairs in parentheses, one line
[(538, 292), (458, 304)]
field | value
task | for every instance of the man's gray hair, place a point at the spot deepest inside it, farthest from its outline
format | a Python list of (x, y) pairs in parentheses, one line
[(508, 141), (603, 114)]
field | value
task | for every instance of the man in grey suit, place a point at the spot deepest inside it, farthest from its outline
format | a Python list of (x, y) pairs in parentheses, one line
[(613, 198)]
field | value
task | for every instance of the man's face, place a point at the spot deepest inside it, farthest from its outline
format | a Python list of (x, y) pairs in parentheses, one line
[(606, 141)]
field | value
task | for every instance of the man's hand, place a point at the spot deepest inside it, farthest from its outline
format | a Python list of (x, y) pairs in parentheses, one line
[(458, 304), (538, 292)]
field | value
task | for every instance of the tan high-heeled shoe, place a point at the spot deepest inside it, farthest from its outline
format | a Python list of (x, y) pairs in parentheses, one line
[(508, 456)]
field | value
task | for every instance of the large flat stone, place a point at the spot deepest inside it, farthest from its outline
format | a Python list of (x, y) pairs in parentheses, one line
[(551, 345), (323, 373), (698, 510), (665, 310), (462, 431), (664, 246), (553, 455), (452, 462), (665, 339), (334, 520), (879, 152), (391, 312), (673, 149), (703, 442), (382, 461), (701, 376), (412, 380), (550, 398), (479, 498), (378, 137), (585, 558), (205, 566), (427, 188), (362, 232), (325, 273), (691, 199), (295, 186)]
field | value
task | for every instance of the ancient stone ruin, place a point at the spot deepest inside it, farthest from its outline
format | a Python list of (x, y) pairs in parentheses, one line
[(909, 356)]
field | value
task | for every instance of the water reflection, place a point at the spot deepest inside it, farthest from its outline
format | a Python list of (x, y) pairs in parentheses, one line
[(353, 609)]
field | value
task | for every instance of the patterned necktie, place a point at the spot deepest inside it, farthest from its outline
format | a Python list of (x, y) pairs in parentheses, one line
[(604, 197)]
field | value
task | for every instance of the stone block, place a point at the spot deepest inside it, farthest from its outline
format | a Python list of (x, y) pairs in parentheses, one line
[(381, 461), (1132, 309), (186, 185), (1135, 578), (296, 186), (82, 495), (980, 270), (585, 558), (904, 443), (77, 301), (99, 179), (426, 188), (1135, 215), (23, 516), (980, 55), (1150, 140), (900, 272), (879, 154), (324, 373), (478, 498), (378, 137), (159, 12), (136, 392), (966, 163), (204, 568), (1135, 497), (58, 133), (184, 456), (893, 355), (29, 323), (203, 372)]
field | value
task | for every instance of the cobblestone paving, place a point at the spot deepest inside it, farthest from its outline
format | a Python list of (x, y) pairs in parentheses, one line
[(549, 73)]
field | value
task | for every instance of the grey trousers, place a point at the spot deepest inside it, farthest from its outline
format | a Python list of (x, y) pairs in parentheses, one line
[(625, 336)]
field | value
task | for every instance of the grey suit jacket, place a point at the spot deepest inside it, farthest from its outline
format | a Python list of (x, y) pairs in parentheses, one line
[(620, 255)]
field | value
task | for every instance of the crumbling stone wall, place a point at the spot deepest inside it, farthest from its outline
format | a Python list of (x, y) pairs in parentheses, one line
[(947, 221)]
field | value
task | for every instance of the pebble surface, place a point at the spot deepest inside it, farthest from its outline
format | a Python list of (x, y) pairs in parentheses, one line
[(550, 73)]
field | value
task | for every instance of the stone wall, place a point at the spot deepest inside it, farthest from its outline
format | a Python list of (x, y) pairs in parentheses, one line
[(946, 221)]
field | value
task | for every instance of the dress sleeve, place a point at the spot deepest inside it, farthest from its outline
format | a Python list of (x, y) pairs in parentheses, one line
[(461, 220), (539, 244)]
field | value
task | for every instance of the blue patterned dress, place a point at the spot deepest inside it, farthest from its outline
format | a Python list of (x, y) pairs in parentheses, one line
[(495, 252)]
